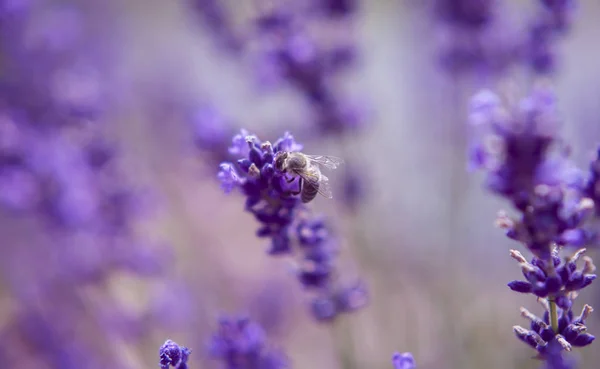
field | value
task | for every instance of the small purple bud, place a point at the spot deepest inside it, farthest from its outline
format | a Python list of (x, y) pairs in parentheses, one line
[(547, 334), (323, 309), (587, 280), (255, 157), (583, 339), (244, 164), (520, 286), (228, 177), (575, 281), (529, 337), (539, 289), (553, 284), (563, 302)]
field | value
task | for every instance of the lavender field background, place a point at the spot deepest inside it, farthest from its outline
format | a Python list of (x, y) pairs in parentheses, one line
[(116, 235)]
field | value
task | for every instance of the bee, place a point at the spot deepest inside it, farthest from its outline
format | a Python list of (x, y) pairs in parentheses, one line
[(307, 168)]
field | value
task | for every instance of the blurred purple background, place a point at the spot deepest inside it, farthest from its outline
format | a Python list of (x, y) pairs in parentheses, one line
[(115, 235)]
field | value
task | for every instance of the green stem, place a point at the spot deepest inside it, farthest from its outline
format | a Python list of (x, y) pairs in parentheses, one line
[(553, 314), (552, 310)]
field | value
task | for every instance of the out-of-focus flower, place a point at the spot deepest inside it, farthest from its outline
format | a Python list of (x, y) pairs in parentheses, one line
[(59, 172), (528, 165), (552, 21), (173, 355), (337, 8), (288, 52), (354, 187), (213, 14), (472, 14), (478, 40), (240, 343), (404, 361)]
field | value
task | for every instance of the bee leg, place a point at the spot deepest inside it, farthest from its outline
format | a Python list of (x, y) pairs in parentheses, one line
[(294, 193), (299, 187)]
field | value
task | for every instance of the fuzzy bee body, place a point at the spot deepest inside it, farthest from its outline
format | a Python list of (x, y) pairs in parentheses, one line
[(306, 167)]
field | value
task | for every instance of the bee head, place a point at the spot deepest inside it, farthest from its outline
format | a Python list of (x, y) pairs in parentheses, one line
[(280, 158)]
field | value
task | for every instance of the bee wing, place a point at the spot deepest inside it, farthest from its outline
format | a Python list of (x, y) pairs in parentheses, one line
[(325, 188), (329, 162), (320, 181)]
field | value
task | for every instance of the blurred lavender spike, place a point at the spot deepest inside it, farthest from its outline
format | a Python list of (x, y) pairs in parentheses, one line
[(290, 53), (241, 343), (173, 355), (528, 165)]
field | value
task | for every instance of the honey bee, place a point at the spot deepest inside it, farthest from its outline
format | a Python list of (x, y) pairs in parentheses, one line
[(307, 168)]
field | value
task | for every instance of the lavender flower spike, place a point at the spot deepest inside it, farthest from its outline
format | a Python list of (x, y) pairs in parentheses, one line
[(268, 192), (240, 343), (273, 199), (404, 361), (173, 355), (528, 165)]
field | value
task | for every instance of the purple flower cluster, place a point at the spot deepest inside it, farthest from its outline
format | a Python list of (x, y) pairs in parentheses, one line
[(473, 14), (528, 165), (213, 15), (62, 186), (268, 194), (553, 21), (316, 271), (173, 355), (569, 332), (478, 39), (240, 343), (404, 361), (271, 196), (561, 280), (289, 53)]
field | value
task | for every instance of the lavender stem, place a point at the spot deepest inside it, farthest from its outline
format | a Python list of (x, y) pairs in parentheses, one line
[(553, 314)]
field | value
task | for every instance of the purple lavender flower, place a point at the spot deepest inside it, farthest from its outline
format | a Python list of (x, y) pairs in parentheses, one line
[(61, 172), (269, 195), (570, 331), (404, 361), (472, 14), (564, 280), (210, 129), (528, 165), (272, 198), (241, 343), (173, 355), (290, 54), (354, 188), (215, 17), (472, 39), (316, 272), (552, 21), (338, 8)]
